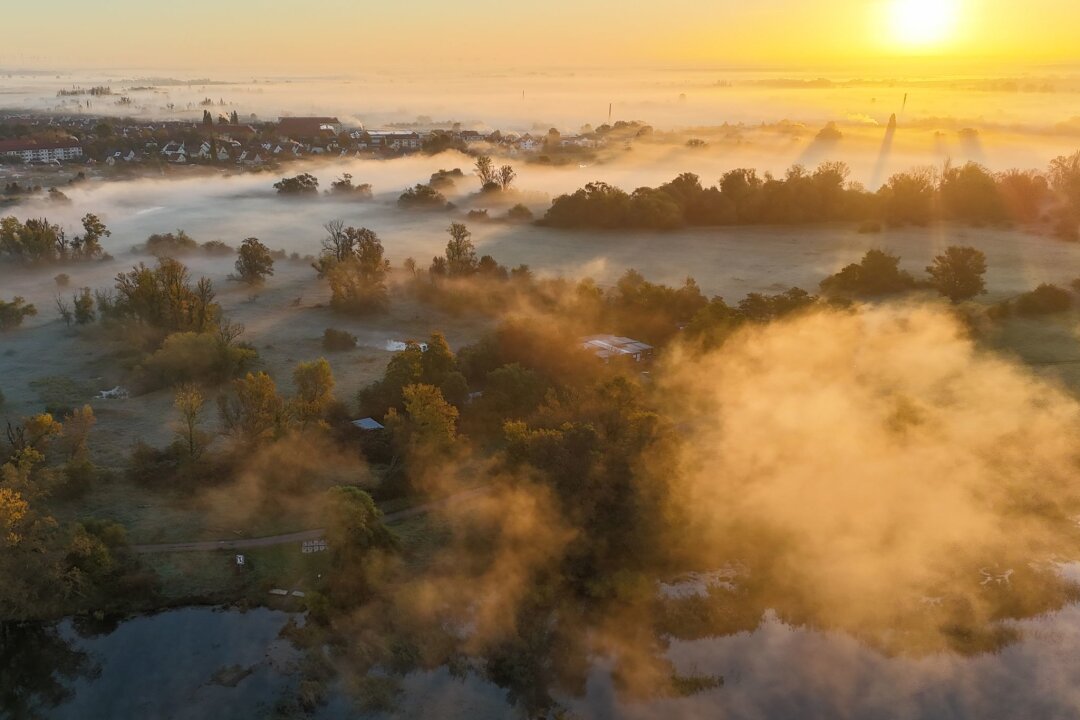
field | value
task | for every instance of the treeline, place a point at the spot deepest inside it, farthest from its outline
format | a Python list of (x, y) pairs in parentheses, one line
[(969, 193), (37, 241)]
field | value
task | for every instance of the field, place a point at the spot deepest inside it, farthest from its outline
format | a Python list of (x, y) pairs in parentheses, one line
[(46, 363)]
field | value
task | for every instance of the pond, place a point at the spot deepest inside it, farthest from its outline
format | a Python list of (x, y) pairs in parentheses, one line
[(200, 662), (195, 662)]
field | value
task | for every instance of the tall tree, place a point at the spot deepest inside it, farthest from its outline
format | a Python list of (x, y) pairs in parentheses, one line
[(189, 400), (461, 257), (314, 391)]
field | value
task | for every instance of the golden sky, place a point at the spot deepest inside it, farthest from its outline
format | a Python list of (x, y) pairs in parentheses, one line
[(344, 35)]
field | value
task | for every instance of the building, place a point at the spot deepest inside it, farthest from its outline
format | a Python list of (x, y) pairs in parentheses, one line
[(307, 127), (607, 347), (367, 424), (391, 140), (42, 150)]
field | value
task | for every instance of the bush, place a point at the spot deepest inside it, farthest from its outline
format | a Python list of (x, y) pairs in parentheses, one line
[(194, 357), (13, 312), (1043, 300), (216, 247), (170, 244), (338, 340), (422, 196), (62, 280), (303, 184), (869, 227), (519, 213)]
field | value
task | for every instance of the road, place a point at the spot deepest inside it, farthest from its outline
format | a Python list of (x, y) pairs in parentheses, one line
[(296, 537)]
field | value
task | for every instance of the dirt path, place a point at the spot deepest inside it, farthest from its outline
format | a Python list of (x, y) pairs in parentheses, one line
[(245, 543)]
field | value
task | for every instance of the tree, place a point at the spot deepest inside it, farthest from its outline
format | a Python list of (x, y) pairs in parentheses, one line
[(188, 400), (33, 584), (84, 306), (429, 423), (422, 196), (506, 177), (13, 312), (207, 118), (314, 391), (356, 538), (253, 412), (355, 266), (64, 309), (303, 184), (878, 273), (234, 119), (485, 171), (88, 245), (1046, 299), (254, 263), (76, 428), (461, 257), (958, 273), (437, 361)]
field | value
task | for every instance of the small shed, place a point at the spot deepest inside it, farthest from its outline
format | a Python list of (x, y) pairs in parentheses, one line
[(367, 424)]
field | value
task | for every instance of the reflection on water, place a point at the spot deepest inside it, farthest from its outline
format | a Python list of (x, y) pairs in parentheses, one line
[(778, 671), (206, 662), (187, 663)]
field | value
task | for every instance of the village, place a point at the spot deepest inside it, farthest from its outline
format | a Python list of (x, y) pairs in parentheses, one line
[(41, 139)]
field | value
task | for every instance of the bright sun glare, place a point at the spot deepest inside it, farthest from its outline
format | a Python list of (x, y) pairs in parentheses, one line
[(922, 23)]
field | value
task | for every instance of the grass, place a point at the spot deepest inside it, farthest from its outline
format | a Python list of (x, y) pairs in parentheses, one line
[(215, 577), (1050, 346)]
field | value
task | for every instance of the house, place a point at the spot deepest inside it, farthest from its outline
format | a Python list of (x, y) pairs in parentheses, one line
[(175, 152), (471, 137), (307, 127), (607, 347), (42, 150)]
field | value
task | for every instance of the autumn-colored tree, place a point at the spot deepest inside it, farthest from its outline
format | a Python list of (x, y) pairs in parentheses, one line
[(189, 401), (314, 391), (253, 412)]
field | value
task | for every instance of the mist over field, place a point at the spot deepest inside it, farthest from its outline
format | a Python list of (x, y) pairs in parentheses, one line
[(711, 360)]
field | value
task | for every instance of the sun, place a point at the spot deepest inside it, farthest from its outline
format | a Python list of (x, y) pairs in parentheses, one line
[(922, 23)]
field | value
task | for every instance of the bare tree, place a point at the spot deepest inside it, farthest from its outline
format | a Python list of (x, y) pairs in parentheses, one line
[(64, 309)]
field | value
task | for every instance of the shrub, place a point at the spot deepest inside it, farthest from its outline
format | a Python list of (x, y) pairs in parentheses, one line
[(869, 227), (62, 280), (170, 244), (519, 213), (192, 357), (1044, 300), (422, 196), (216, 247), (14, 311), (303, 184), (338, 340)]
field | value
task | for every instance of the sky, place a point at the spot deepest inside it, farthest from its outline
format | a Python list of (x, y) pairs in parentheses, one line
[(342, 36)]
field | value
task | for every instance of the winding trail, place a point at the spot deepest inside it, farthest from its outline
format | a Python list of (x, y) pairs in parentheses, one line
[(285, 539)]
